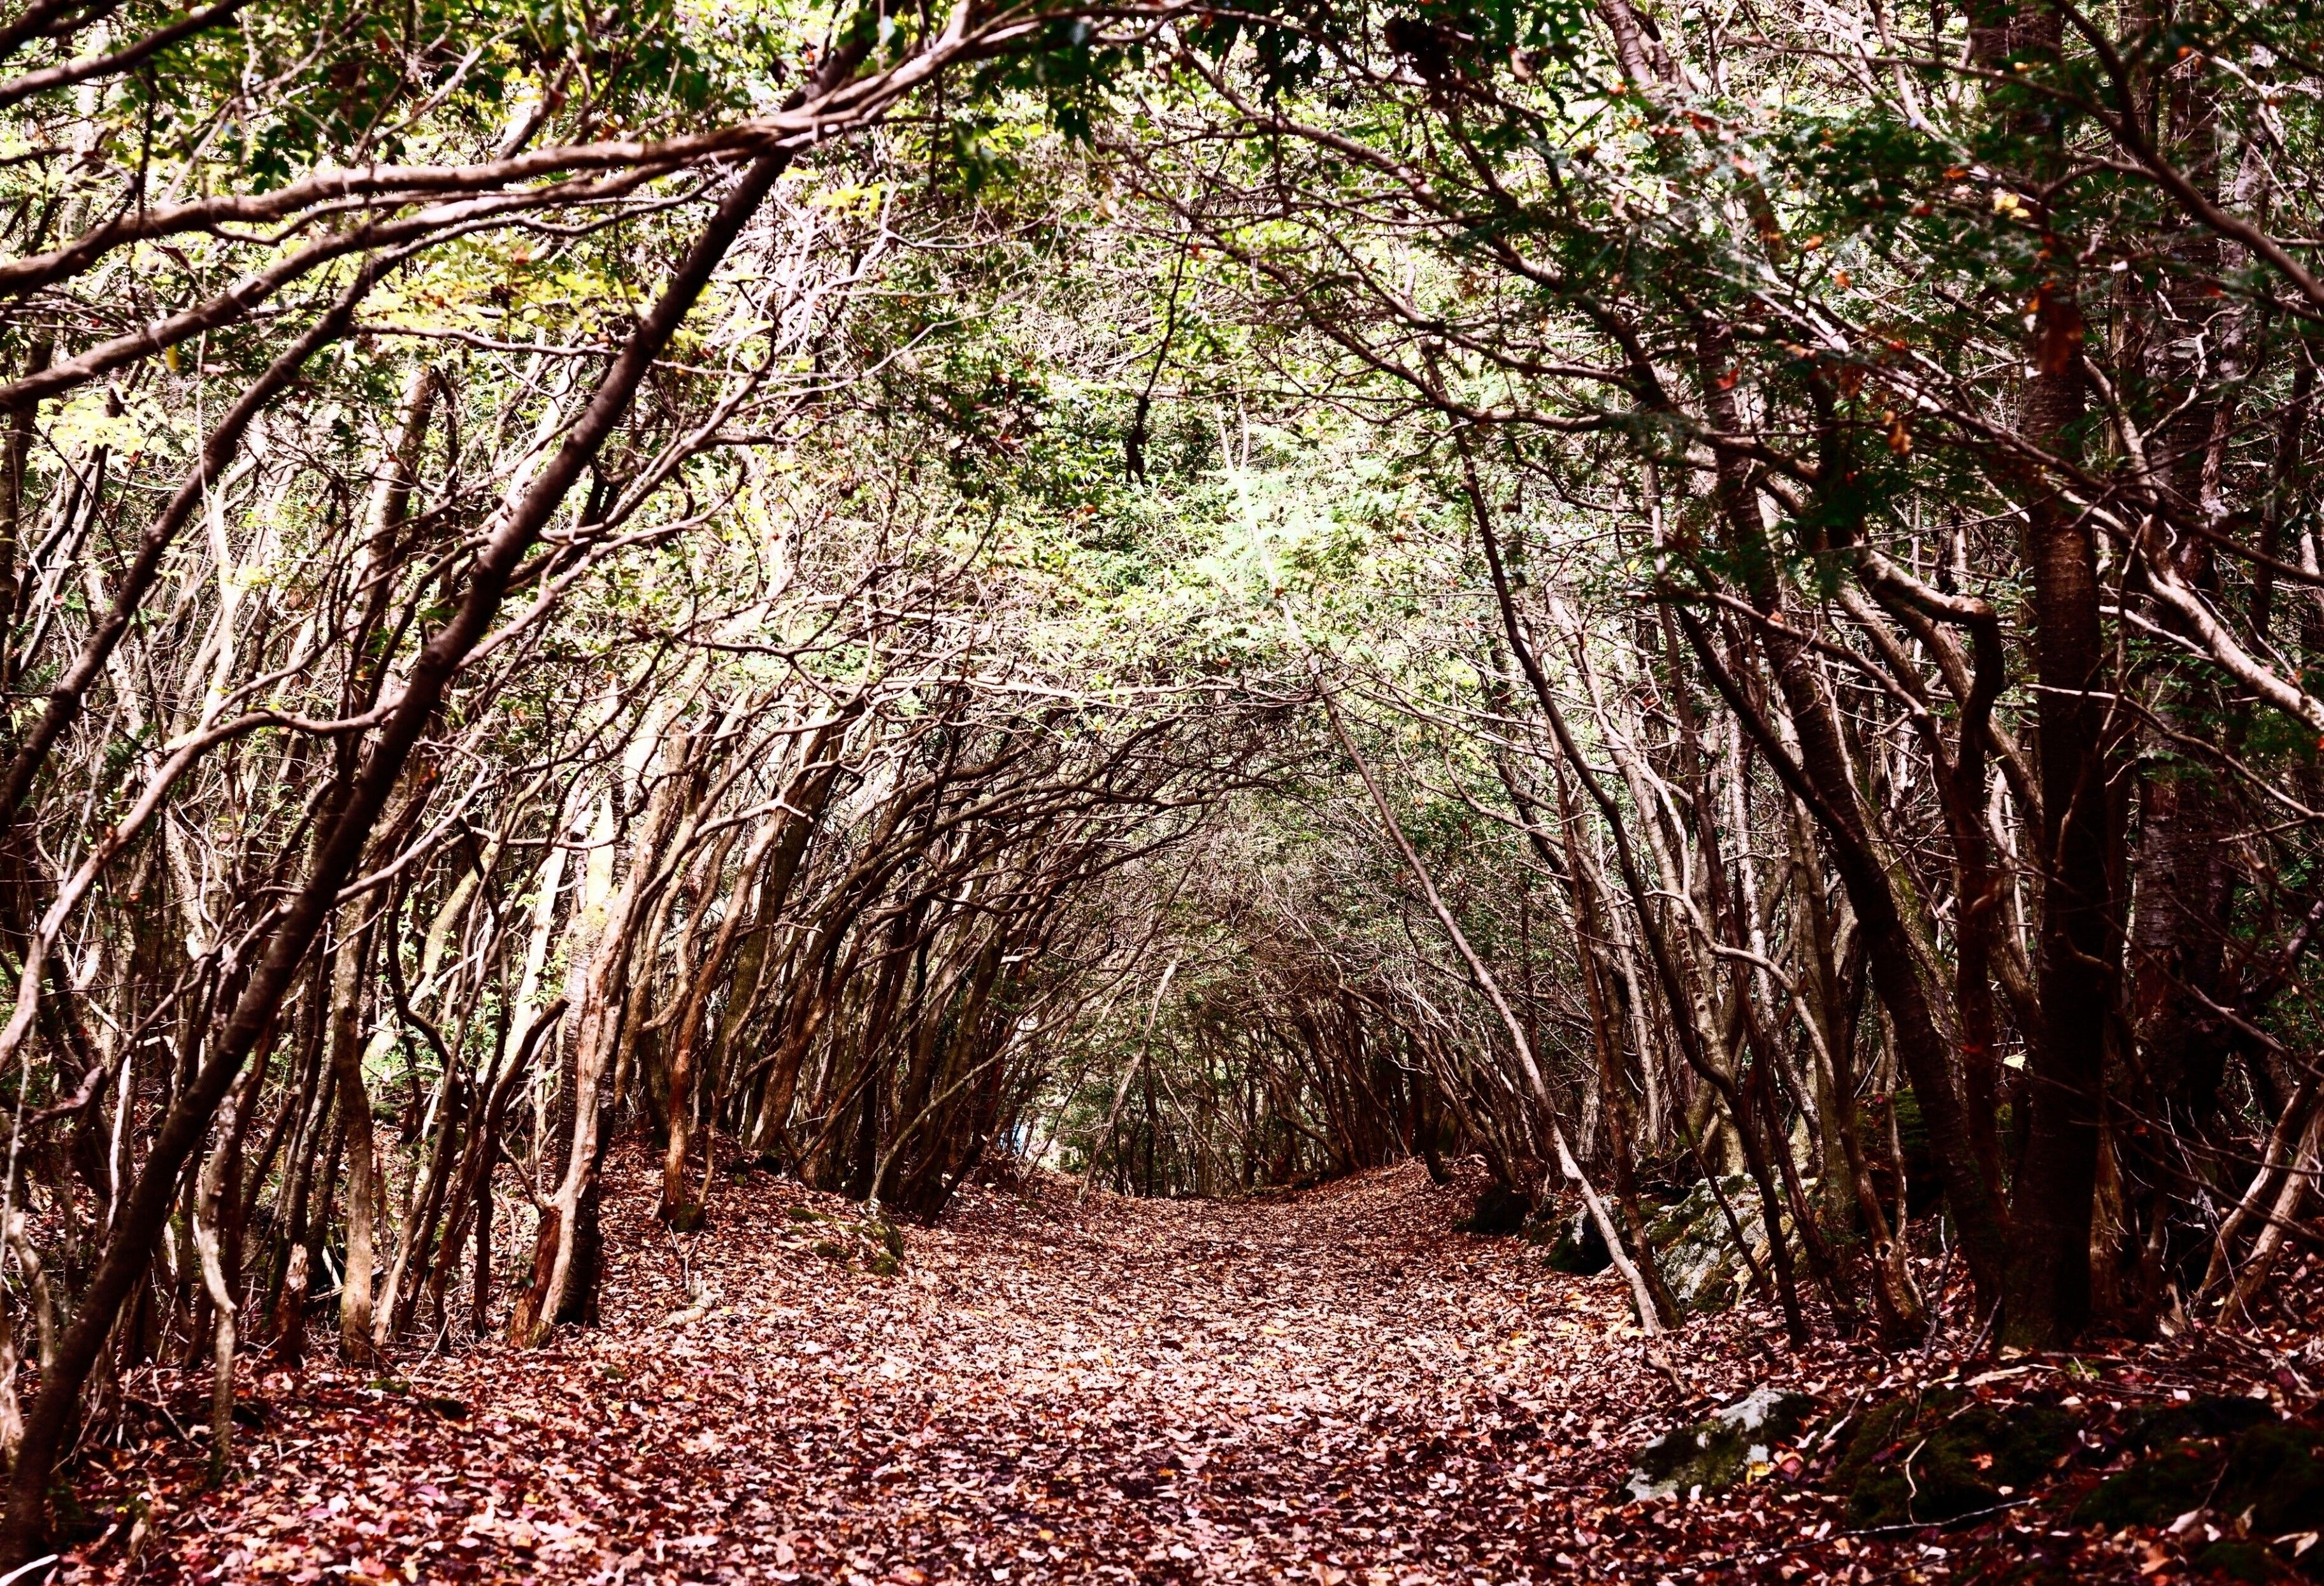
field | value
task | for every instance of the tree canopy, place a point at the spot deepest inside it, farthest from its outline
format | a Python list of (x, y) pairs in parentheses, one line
[(1204, 597)]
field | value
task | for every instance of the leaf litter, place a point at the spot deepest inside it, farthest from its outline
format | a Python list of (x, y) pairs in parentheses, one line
[(1326, 1387)]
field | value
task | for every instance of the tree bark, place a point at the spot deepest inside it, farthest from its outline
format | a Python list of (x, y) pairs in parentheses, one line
[(342, 848), (355, 1129)]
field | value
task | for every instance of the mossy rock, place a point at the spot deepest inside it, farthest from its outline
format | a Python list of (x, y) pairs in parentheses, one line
[(876, 1243), (1936, 1459), (1499, 1210), (1921, 1173), (71, 1522), (2165, 1484), (1674, 1220), (2272, 1470), (1697, 1251), (1580, 1249), (2239, 1560), (2276, 1473), (1735, 1443), (2037, 1571), (2194, 1420)]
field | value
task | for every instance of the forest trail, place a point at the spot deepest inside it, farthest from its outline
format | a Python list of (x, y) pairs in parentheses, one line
[(1319, 1386)]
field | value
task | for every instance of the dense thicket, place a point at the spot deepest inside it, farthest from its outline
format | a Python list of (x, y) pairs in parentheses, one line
[(1208, 597)]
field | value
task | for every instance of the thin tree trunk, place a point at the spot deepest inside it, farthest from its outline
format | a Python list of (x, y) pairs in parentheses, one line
[(210, 1205), (1122, 1091), (355, 1126), (1641, 1296), (341, 849)]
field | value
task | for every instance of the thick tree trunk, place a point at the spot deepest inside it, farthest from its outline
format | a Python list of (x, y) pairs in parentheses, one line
[(2049, 1289)]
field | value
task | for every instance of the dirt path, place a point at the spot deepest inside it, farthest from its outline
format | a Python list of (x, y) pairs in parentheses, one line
[(1323, 1383)]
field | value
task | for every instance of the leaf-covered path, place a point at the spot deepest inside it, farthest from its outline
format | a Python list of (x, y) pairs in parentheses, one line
[(1326, 1382)]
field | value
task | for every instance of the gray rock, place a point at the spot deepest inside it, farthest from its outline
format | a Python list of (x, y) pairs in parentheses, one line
[(1578, 1248), (1700, 1262), (1736, 1442)]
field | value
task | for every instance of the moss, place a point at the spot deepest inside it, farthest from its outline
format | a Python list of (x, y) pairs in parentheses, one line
[(2274, 1471), (2153, 1492), (2028, 1571), (876, 1243), (2239, 1561), (1923, 1183), (1579, 1249), (1697, 1250), (2197, 1418), (2271, 1471), (1912, 1135), (70, 1523), (1877, 1431), (1947, 1456), (1732, 1445), (1499, 1209)]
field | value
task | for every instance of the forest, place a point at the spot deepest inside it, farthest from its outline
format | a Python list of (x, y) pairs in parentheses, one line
[(1322, 790)]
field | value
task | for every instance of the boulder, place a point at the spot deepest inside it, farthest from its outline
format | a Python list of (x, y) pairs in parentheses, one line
[(2165, 1483), (1743, 1440), (1925, 1190), (1499, 1209), (2195, 1420), (1579, 1249), (1697, 1251), (2238, 1559), (1928, 1459), (2269, 1471)]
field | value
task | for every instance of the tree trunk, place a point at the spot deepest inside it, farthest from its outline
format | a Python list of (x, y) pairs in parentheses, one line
[(341, 849), (355, 1129)]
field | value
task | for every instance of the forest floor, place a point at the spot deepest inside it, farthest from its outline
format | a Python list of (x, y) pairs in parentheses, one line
[(1326, 1388)]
